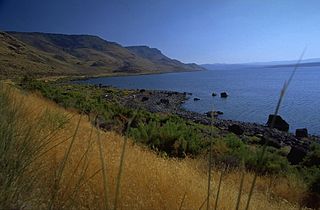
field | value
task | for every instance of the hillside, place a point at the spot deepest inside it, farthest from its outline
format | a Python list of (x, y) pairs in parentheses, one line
[(57, 54), (17, 58), (162, 61), (74, 154)]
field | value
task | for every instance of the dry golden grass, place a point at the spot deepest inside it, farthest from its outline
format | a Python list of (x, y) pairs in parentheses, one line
[(148, 181)]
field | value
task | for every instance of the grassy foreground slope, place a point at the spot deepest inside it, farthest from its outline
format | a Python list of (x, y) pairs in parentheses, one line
[(61, 166), (44, 54)]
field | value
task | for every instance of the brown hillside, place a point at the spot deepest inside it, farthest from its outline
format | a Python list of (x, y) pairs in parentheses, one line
[(45, 54), (148, 182)]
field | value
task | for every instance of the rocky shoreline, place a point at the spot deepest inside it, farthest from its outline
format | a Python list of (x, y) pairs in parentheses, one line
[(170, 102)]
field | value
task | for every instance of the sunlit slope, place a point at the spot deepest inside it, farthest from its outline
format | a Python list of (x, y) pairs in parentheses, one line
[(44, 54), (18, 58), (148, 181)]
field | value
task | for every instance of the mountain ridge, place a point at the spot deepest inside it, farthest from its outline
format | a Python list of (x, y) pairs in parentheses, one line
[(157, 57), (271, 64), (49, 54)]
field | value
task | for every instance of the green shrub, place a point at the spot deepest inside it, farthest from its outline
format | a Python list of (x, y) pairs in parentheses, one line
[(272, 163), (19, 145), (231, 151), (313, 157), (169, 134), (174, 138)]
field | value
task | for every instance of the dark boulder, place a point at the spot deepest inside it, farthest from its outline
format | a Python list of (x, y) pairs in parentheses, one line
[(144, 98), (272, 142), (196, 99), (302, 133), (164, 101), (236, 129), (224, 95), (101, 123), (279, 123), (297, 154), (213, 113), (214, 94)]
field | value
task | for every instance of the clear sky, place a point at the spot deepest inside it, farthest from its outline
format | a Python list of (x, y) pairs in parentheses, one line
[(201, 31)]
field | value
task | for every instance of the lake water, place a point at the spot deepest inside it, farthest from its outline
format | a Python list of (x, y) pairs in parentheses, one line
[(253, 93)]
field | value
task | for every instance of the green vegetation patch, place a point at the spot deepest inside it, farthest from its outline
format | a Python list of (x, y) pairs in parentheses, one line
[(164, 133), (169, 134)]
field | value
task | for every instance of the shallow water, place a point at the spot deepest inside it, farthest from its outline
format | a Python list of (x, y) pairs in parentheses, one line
[(253, 92)]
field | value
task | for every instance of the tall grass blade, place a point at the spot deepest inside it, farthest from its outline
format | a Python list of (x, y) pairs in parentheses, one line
[(62, 166), (204, 202), (182, 201), (218, 191), (121, 164), (104, 172), (209, 175), (210, 162), (84, 158), (90, 177), (282, 94), (241, 186)]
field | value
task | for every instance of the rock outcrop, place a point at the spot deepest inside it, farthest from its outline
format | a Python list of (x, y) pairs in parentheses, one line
[(302, 133), (236, 129), (224, 95), (297, 154), (213, 113), (279, 123)]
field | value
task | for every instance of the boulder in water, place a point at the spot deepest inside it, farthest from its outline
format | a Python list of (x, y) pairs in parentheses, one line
[(302, 133), (224, 95), (279, 123), (213, 113)]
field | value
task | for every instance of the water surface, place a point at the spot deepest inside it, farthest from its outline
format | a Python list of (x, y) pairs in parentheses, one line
[(253, 92)]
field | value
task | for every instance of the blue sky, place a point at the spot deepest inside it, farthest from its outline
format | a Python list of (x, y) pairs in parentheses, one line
[(201, 31)]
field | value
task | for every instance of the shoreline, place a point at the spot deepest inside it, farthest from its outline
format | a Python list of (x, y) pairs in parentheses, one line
[(130, 75), (170, 102), (112, 74), (182, 111)]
